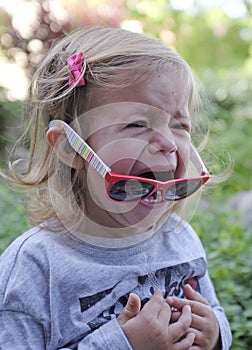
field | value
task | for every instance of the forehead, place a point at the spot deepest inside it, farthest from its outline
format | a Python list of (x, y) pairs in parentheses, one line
[(165, 90)]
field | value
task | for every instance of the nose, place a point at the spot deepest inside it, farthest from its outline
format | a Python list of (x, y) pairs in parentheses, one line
[(162, 141)]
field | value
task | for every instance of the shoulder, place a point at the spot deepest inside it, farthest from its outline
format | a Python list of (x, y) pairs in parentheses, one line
[(25, 272), (27, 244), (29, 256), (30, 240), (19, 243), (37, 240)]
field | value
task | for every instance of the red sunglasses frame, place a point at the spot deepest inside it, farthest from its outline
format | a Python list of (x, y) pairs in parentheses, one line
[(88, 154)]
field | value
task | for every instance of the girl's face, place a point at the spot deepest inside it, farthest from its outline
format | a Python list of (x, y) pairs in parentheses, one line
[(141, 130)]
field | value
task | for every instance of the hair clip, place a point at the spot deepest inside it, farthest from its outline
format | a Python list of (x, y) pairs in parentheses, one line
[(76, 63)]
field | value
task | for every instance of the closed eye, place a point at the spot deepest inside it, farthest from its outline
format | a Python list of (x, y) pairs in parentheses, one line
[(137, 124), (181, 123), (179, 126)]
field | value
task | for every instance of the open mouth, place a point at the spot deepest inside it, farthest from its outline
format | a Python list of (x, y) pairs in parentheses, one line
[(162, 176), (155, 198)]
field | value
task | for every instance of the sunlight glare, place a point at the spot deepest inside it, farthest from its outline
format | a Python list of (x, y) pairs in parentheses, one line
[(14, 81), (132, 26), (233, 8)]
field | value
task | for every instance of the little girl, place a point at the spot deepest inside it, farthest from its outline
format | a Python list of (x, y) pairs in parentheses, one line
[(109, 264)]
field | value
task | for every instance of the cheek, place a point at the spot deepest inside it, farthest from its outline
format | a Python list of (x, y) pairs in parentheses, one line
[(123, 166), (97, 194), (121, 153)]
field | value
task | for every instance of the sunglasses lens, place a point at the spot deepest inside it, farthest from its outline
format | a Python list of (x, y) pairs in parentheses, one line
[(128, 190), (182, 190)]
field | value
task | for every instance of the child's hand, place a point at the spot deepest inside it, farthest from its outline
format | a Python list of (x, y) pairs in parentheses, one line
[(149, 328), (204, 323)]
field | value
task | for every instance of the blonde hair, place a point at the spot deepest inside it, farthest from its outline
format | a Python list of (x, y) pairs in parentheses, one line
[(108, 53)]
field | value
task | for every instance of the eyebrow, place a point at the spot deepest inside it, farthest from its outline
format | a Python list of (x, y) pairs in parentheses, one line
[(179, 114)]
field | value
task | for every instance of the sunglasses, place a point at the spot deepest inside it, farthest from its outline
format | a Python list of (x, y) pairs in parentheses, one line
[(129, 188)]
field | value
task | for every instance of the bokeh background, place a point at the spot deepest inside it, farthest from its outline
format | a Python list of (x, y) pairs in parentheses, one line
[(215, 37)]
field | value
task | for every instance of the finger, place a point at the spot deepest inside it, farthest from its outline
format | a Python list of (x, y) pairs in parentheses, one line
[(198, 308), (199, 323), (131, 309), (175, 315), (165, 313), (191, 294), (155, 304), (199, 304), (198, 336), (178, 329), (195, 347), (185, 343), (177, 303), (199, 316)]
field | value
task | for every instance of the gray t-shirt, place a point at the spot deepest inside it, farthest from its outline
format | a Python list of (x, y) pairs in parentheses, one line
[(58, 291)]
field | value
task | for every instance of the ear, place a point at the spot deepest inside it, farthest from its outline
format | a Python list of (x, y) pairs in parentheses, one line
[(57, 139)]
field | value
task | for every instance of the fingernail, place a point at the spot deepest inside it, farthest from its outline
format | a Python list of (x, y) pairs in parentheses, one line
[(174, 309)]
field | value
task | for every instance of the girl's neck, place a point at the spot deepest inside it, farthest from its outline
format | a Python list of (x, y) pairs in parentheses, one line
[(114, 238), (97, 229)]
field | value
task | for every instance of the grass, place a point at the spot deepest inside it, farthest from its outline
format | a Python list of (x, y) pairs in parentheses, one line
[(13, 221), (229, 249)]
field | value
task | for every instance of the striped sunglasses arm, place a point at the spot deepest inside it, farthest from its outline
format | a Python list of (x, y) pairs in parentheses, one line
[(82, 148)]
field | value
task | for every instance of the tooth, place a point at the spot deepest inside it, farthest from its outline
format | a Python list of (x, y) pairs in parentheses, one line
[(156, 197)]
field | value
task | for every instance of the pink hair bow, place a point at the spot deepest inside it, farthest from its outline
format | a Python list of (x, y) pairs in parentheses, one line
[(76, 62)]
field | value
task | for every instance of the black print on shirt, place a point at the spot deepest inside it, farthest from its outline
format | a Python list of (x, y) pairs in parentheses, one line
[(89, 301), (170, 280)]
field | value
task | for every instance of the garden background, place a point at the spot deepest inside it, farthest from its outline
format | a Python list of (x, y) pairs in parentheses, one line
[(215, 37)]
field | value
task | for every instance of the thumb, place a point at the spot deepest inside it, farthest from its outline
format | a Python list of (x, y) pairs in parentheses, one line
[(131, 309)]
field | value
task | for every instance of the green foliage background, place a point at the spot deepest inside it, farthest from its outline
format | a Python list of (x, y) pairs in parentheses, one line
[(219, 49)]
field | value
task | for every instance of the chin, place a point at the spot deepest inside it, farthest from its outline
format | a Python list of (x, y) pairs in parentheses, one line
[(144, 215)]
